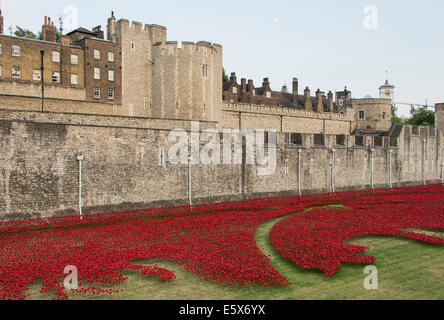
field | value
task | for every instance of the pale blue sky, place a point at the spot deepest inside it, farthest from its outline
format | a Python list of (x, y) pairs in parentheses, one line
[(321, 42)]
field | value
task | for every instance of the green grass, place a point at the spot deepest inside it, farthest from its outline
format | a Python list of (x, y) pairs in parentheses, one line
[(408, 269)]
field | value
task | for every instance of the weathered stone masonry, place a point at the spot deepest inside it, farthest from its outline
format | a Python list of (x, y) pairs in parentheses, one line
[(122, 170)]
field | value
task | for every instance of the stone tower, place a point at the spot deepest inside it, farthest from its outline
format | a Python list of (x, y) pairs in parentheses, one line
[(387, 91)]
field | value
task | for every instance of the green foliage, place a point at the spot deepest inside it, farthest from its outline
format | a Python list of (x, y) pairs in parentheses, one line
[(224, 76), (26, 33), (421, 117), (395, 118)]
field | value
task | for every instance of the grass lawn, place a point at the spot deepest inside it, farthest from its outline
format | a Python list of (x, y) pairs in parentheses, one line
[(408, 269)]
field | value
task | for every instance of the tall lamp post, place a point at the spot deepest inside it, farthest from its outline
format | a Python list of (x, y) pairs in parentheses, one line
[(42, 54)]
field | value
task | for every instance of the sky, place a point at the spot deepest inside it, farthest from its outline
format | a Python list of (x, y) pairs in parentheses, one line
[(325, 44)]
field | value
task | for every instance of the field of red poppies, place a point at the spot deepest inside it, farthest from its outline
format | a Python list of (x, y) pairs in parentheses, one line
[(214, 241)]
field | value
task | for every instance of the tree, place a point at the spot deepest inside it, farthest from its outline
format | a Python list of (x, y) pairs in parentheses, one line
[(421, 117), (25, 33), (224, 76), (395, 118)]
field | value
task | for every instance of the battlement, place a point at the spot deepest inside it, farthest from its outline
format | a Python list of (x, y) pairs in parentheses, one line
[(371, 101), (137, 26), (171, 47)]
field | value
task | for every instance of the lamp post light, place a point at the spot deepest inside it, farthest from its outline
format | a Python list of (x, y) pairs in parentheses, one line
[(299, 172), (372, 152), (390, 169), (80, 158), (332, 164), (42, 68)]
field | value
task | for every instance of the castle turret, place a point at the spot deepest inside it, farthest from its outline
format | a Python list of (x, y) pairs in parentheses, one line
[(387, 91), (112, 29)]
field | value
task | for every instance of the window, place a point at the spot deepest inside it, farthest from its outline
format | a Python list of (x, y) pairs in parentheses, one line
[(96, 73), (0, 48), (110, 56), (384, 116), (0, 70), (340, 140), (296, 139), (133, 46), (254, 93), (96, 93), (111, 94), (74, 79), (36, 75), (361, 115), (16, 72), (268, 94), (74, 59), (55, 56), (96, 54), (205, 70), (319, 140), (110, 75), (378, 141), (56, 77), (16, 51), (235, 90), (359, 141)]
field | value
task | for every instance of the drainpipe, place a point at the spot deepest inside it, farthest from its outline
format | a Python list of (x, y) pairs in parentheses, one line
[(390, 169), (423, 161), (332, 164), (189, 180), (299, 172), (80, 158), (372, 151)]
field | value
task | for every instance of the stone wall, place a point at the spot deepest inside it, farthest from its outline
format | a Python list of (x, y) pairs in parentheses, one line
[(124, 165), (377, 114), (439, 109)]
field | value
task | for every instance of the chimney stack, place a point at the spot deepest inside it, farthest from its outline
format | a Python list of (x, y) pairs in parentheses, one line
[(1, 22), (266, 82), (49, 31), (308, 102), (331, 106), (233, 77), (295, 90), (244, 96), (98, 31), (319, 96)]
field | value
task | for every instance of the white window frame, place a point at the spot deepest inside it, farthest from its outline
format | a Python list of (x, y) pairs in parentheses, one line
[(234, 90), (16, 51), (111, 75), (111, 97), (56, 56), (36, 75), (97, 72), (74, 61), (268, 94), (111, 57), (56, 75), (96, 54), (96, 90), (15, 69), (74, 79)]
